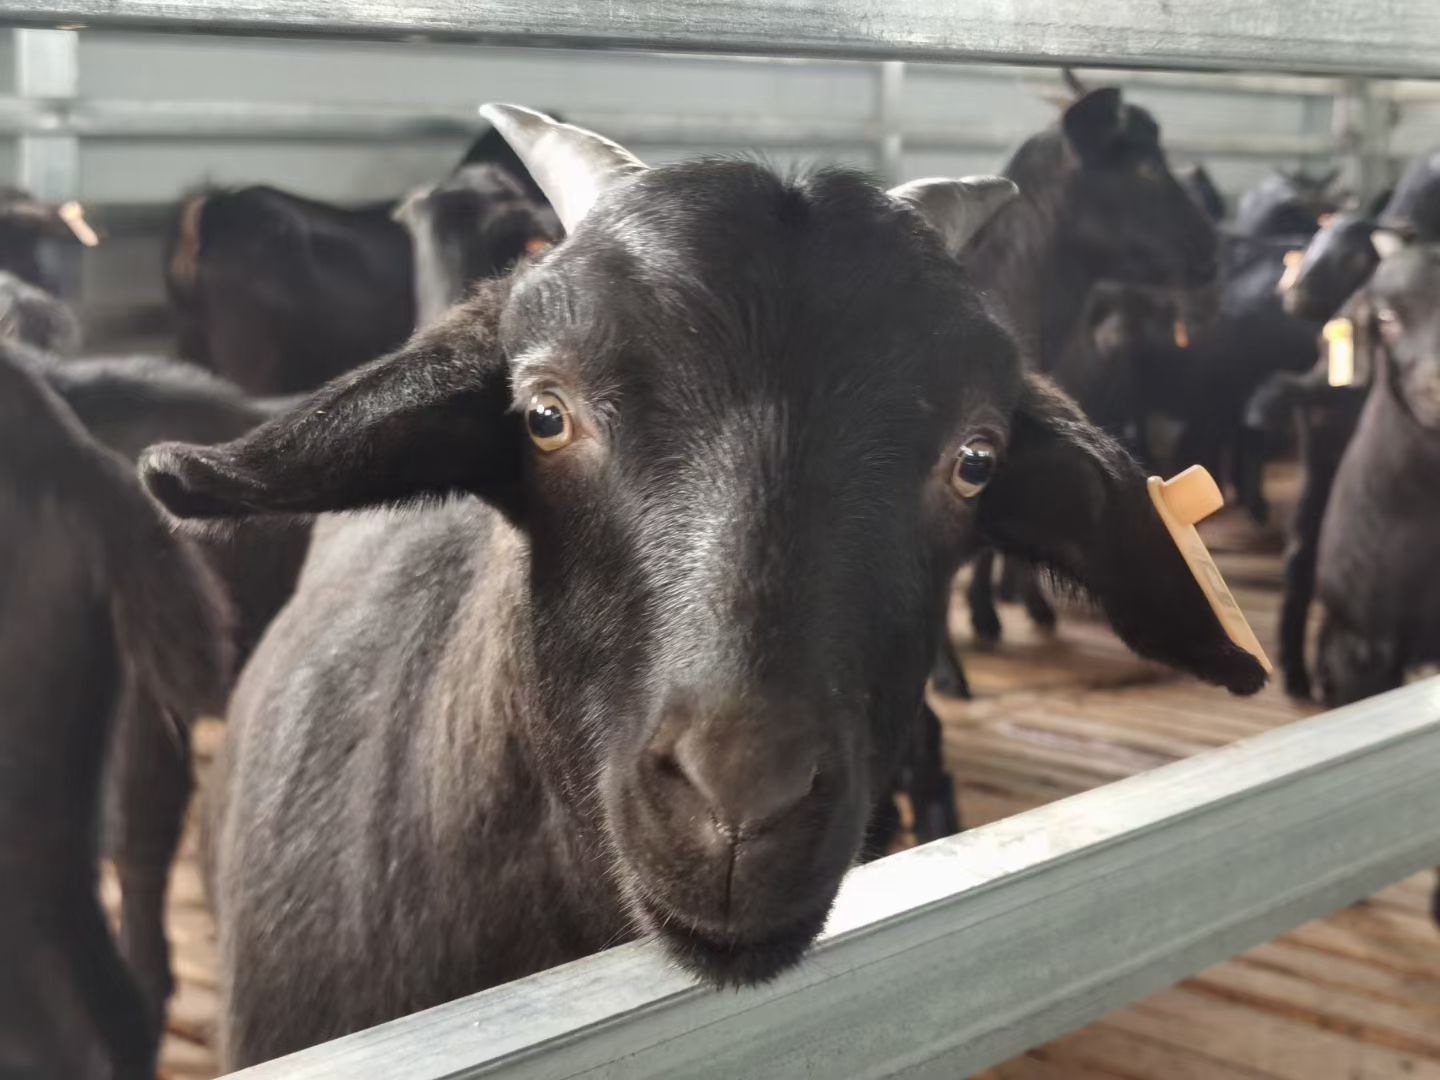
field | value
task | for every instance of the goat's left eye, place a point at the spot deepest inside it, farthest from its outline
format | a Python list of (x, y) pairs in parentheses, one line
[(973, 468), (548, 421)]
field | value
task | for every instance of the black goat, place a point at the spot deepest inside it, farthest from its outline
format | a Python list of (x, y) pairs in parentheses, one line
[(279, 293), (1375, 573), (1330, 279), (722, 448), (1098, 203), (31, 315), (108, 621), (127, 403), (474, 225), (33, 234)]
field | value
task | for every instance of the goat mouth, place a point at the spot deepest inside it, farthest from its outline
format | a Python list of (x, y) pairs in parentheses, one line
[(727, 960)]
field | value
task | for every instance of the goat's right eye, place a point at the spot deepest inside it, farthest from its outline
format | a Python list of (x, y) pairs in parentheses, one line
[(973, 468), (548, 421)]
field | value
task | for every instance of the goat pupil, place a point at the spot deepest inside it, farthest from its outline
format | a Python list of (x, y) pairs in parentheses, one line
[(976, 466), (546, 421)]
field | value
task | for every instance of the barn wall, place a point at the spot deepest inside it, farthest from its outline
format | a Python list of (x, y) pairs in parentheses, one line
[(830, 106)]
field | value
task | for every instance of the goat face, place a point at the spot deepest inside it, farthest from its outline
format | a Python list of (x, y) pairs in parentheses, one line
[(1131, 216), (749, 401), (749, 427), (1405, 286), (1338, 260)]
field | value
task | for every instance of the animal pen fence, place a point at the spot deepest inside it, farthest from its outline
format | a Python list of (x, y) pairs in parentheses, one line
[(945, 959)]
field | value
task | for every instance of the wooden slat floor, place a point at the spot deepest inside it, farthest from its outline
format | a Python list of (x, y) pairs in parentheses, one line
[(1355, 996)]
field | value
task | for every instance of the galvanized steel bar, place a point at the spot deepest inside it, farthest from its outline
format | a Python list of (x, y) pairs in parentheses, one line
[(1331, 37), (121, 119), (47, 77), (943, 960)]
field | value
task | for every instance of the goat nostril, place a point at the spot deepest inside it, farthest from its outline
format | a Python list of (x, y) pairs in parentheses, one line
[(745, 788), (665, 763)]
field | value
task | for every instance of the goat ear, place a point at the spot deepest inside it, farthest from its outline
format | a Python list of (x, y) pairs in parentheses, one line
[(1092, 123), (429, 420), (957, 209), (1068, 498)]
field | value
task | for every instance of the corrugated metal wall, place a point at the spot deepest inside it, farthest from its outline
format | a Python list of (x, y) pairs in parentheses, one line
[(1242, 128)]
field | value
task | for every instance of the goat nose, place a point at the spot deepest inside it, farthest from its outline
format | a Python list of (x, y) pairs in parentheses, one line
[(746, 783)]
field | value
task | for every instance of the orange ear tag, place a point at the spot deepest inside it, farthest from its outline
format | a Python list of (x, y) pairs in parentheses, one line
[(1340, 351), (1293, 259), (1182, 334), (73, 215), (1181, 501)]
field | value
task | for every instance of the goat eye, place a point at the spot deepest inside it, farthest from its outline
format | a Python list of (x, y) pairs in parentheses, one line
[(548, 421), (973, 468)]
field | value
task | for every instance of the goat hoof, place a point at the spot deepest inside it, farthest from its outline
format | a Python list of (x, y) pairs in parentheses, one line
[(986, 625), (1297, 685), (1042, 615)]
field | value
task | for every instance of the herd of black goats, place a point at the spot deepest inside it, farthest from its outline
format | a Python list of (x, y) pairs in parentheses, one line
[(659, 482)]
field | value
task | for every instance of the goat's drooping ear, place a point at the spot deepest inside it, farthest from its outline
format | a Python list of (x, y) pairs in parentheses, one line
[(1092, 123), (571, 165), (957, 209), (1069, 498), (430, 420)]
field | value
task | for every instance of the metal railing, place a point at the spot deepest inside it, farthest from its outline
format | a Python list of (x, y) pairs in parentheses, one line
[(1397, 38), (946, 959)]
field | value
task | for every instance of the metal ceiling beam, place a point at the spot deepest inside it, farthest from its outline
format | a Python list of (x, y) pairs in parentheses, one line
[(1327, 37)]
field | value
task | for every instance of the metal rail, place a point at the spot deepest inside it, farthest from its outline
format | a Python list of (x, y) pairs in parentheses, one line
[(945, 959), (121, 119), (1333, 37)]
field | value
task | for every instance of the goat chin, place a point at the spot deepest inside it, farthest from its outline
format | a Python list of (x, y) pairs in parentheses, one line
[(732, 961)]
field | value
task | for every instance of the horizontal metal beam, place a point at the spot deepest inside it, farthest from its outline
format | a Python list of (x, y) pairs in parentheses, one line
[(943, 960), (123, 119), (1399, 37)]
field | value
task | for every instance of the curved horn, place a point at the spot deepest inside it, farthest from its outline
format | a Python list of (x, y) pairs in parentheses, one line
[(1078, 88), (957, 208), (571, 165)]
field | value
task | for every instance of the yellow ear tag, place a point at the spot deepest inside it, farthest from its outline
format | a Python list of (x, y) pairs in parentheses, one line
[(1340, 350), (1182, 335), (1181, 501), (1293, 259), (73, 215)]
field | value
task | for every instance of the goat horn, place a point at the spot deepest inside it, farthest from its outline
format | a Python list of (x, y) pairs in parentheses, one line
[(572, 166), (1078, 88), (957, 209)]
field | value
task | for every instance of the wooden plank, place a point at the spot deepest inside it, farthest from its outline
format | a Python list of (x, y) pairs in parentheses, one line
[(1359, 1017), (1419, 991), (1138, 1057), (1277, 1046), (1031, 1067)]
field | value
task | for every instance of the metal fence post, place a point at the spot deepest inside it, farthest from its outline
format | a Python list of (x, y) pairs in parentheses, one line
[(889, 99), (47, 75)]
